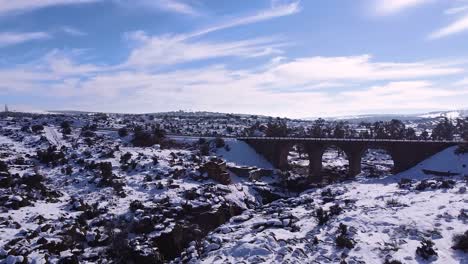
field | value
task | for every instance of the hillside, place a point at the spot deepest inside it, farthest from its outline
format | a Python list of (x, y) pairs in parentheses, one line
[(384, 220)]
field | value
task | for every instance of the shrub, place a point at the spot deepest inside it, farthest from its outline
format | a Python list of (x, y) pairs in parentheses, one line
[(143, 138), (315, 241), (106, 173), (219, 142), (460, 242), (123, 132), (426, 250), (344, 242), (394, 203), (25, 128), (69, 170), (322, 216), (405, 183), (463, 214), (135, 205), (125, 158), (37, 128), (343, 229), (51, 155), (205, 149), (335, 210), (87, 133), (66, 129), (423, 185), (446, 184), (3, 166), (277, 129), (327, 193)]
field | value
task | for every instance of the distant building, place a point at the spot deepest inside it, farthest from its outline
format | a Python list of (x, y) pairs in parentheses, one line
[(6, 108)]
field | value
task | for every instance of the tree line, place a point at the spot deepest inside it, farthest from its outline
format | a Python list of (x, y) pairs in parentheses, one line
[(444, 129)]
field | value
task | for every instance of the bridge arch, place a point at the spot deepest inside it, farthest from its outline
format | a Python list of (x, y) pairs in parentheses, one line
[(298, 156), (334, 160), (405, 153), (376, 161)]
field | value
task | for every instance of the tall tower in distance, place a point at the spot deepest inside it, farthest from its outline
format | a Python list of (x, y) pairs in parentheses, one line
[(6, 108)]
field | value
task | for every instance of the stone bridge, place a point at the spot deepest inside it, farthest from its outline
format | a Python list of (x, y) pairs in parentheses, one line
[(405, 153)]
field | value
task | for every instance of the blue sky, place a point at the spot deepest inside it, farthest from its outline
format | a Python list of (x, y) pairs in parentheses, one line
[(275, 57)]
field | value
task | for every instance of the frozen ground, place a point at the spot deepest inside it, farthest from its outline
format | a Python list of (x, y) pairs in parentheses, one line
[(384, 221), (242, 154), (157, 202)]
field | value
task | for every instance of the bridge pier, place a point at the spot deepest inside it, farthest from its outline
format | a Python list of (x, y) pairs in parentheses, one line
[(315, 154), (354, 164), (405, 153)]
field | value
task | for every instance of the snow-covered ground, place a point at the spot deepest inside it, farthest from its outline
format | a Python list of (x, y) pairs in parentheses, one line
[(240, 153), (383, 220), (99, 199), (53, 136)]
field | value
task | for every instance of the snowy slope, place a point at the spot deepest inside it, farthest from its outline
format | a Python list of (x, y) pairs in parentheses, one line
[(52, 136), (384, 221), (445, 161), (242, 154)]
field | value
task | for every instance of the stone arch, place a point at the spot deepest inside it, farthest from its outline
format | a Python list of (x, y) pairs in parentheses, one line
[(382, 160), (335, 152), (292, 150)]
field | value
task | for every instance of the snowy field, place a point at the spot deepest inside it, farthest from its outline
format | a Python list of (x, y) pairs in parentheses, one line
[(384, 221), (99, 199)]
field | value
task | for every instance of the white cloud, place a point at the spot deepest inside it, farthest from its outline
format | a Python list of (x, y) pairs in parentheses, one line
[(305, 71), (457, 26), (153, 51), (277, 10), (456, 10), (61, 65), (218, 88), (405, 95), (389, 7), (172, 6), (166, 50), (73, 31), (13, 6), (12, 38), (462, 82)]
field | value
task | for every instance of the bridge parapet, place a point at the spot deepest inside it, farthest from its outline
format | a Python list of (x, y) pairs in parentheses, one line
[(308, 139)]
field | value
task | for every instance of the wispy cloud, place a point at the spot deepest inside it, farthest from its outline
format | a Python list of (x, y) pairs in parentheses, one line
[(13, 38), (14, 6), (389, 7), (168, 50), (173, 49), (73, 31), (276, 10), (462, 82), (456, 10), (306, 71), (402, 95), (173, 6), (219, 88), (456, 27)]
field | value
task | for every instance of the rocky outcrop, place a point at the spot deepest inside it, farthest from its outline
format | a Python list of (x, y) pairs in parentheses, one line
[(216, 169)]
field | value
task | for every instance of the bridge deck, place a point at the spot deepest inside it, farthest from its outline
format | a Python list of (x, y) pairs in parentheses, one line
[(317, 139), (352, 140)]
